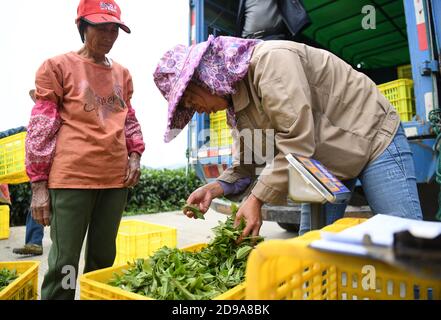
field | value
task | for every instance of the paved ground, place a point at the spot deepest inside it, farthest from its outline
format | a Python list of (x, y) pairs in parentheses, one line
[(188, 231)]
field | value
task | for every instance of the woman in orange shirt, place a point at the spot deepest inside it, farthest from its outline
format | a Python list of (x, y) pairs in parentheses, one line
[(83, 149)]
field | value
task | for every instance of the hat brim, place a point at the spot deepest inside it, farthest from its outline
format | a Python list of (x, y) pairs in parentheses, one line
[(179, 116), (100, 18), (32, 94)]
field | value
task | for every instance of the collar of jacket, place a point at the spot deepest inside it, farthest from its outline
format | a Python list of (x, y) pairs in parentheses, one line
[(240, 98)]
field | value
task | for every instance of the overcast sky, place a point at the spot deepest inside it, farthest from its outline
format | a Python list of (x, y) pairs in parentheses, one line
[(36, 30)]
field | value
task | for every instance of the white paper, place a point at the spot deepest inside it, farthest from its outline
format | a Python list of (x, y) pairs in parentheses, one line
[(380, 229), (339, 247)]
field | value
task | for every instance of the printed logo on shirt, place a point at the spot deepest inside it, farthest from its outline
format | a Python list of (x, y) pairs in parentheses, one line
[(103, 106), (108, 6)]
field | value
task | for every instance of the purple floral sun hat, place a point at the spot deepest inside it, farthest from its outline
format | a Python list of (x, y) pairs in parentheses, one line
[(172, 76), (216, 64)]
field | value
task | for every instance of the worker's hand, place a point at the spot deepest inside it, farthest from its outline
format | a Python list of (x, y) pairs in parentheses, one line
[(203, 196), (250, 210), (41, 203), (133, 172)]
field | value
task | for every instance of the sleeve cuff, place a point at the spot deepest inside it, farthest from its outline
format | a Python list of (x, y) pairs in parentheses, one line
[(230, 177), (135, 145), (269, 195), (227, 187), (234, 188), (39, 178)]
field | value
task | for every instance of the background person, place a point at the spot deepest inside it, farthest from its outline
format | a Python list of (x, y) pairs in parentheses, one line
[(33, 238), (271, 19), (34, 231)]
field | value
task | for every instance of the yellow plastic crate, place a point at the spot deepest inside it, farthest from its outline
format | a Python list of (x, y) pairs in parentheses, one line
[(288, 269), (220, 134), (25, 287), (404, 72), (4, 222), (93, 285), (139, 239), (12, 159), (400, 95)]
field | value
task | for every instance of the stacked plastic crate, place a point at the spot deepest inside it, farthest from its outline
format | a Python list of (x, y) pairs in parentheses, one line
[(400, 93), (220, 134)]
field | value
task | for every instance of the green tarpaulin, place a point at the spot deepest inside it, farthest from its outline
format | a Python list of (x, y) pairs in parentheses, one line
[(337, 27)]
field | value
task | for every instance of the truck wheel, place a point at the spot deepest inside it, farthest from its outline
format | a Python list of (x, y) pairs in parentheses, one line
[(290, 227)]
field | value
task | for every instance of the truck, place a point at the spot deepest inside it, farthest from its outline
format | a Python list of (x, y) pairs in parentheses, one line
[(397, 43)]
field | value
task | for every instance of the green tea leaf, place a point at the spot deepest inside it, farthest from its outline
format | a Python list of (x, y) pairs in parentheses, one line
[(7, 277), (243, 252), (193, 208)]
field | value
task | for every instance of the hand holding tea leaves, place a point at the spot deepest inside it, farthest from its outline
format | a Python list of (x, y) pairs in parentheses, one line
[(201, 199), (250, 211), (195, 210)]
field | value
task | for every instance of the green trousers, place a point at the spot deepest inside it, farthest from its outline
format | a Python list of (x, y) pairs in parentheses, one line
[(75, 212)]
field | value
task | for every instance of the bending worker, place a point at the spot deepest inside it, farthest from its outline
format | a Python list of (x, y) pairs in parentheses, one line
[(315, 104)]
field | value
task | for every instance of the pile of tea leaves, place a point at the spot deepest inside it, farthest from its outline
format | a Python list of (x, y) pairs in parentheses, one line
[(6, 277), (173, 274)]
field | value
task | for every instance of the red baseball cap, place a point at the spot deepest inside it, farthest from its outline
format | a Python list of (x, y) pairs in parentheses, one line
[(100, 11)]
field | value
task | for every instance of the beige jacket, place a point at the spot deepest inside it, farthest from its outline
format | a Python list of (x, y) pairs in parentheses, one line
[(317, 105)]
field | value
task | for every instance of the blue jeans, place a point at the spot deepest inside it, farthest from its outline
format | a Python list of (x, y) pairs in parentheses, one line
[(389, 184), (34, 231)]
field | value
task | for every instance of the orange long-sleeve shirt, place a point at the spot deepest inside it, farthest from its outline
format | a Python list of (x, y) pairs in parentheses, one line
[(82, 126)]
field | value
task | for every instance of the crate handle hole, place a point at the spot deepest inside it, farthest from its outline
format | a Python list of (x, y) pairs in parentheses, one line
[(354, 281), (344, 279), (390, 287), (402, 289)]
